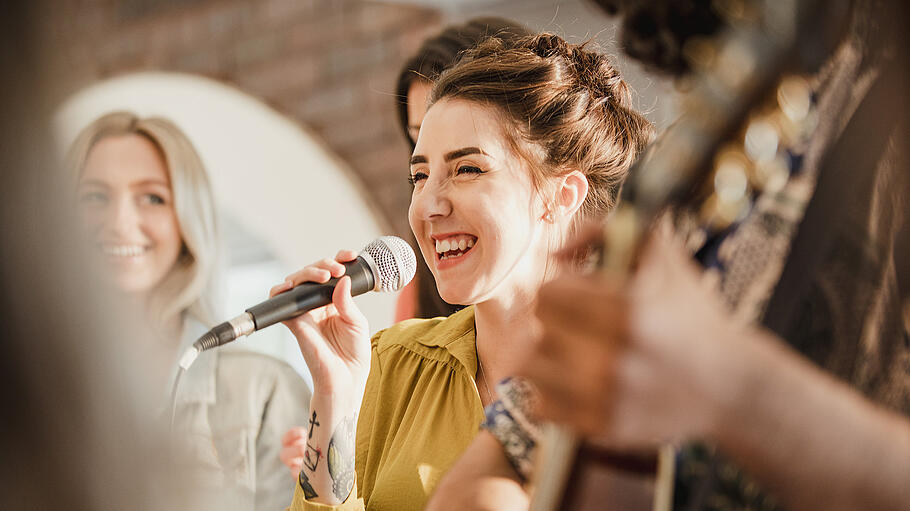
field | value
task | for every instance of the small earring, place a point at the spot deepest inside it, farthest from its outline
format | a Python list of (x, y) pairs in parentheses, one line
[(548, 217)]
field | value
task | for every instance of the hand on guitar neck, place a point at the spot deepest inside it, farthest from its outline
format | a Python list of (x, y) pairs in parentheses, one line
[(657, 359), (645, 368)]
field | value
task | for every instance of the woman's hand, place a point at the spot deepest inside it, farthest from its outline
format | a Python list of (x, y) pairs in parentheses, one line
[(334, 339), (335, 344), (293, 448)]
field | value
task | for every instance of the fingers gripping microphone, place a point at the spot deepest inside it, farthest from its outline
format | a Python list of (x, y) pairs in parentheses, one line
[(386, 264)]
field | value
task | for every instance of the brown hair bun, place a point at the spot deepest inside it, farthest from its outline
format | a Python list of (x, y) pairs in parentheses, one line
[(566, 107)]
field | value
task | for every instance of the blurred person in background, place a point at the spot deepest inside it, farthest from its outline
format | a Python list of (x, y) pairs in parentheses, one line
[(147, 207), (420, 299), (77, 428)]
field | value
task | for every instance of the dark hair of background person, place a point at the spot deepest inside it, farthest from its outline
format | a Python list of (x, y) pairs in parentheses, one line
[(567, 106), (441, 51), (654, 31), (73, 432), (435, 55)]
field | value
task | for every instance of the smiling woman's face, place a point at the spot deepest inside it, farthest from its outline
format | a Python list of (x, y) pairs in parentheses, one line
[(474, 210), (127, 205)]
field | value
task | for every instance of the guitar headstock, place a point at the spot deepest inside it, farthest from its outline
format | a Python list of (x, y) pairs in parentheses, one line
[(746, 106), (760, 156)]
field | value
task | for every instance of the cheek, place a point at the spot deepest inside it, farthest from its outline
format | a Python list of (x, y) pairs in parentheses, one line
[(92, 218), (417, 228), (412, 216), (499, 212), (163, 228)]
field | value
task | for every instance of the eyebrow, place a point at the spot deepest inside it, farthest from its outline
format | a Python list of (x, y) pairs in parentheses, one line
[(145, 182), (93, 182), (458, 153), (157, 182)]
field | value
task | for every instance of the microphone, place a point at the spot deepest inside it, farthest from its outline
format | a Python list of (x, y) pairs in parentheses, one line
[(386, 264)]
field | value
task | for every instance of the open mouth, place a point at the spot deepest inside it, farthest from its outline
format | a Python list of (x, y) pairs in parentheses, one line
[(125, 251), (454, 246)]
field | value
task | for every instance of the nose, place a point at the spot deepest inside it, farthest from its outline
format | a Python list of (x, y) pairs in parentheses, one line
[(122, 217), (432, 201)]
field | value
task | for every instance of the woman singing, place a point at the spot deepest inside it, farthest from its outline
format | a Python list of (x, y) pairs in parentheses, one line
[(520, 143)]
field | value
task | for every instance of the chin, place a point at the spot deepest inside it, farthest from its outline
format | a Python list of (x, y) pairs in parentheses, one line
[(451, 295), (134, 286)]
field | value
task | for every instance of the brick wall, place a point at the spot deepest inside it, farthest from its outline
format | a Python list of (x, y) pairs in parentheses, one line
[(329, 64)]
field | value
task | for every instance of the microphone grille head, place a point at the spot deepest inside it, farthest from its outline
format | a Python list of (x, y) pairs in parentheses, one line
[(394, 260)]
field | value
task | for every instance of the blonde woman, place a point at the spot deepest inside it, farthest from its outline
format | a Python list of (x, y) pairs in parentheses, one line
[(146, 203)]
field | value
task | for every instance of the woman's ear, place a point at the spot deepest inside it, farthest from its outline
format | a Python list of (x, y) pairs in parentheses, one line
[(571, 192)]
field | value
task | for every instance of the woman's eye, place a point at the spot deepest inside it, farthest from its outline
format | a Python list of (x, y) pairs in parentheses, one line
[(469, 169), (152, 198), (415, 177), (93, 198)]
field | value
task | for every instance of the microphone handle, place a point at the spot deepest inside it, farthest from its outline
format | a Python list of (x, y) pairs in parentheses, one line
[(310, 295)]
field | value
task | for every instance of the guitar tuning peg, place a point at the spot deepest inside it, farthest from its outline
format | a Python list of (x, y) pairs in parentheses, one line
[(794, 97), (718, 214), (790, 132), (770, 176), (761, 140), (731, 174), (730, 199)]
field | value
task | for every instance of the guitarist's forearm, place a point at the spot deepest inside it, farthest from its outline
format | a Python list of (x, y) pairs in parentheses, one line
[(814, 442), (481, 479)]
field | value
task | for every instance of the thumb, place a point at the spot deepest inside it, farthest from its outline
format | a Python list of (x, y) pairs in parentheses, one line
[(344, 302)]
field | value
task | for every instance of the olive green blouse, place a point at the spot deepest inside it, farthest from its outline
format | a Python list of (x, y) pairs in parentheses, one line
[(420, 411)]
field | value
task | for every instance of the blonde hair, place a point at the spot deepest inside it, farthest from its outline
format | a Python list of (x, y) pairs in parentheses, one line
[(185, 288)]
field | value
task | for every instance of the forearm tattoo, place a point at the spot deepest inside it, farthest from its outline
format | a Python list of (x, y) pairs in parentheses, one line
[(313, 424), (312, 454), (340, 459), (310, 462), (308, 491), (311, 457)]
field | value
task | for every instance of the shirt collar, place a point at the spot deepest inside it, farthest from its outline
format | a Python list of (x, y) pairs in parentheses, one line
[(456, 335)]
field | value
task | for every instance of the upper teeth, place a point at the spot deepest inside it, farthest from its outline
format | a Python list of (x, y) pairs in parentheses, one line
[(454, 243), (123, 250)]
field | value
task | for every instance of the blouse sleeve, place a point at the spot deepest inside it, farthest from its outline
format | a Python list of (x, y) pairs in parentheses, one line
[(300, 503)]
